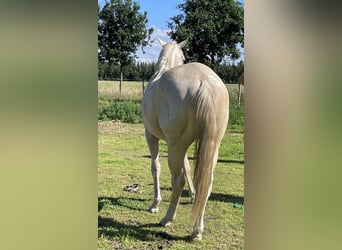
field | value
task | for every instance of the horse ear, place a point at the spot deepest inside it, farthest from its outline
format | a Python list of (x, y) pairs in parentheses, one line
[(162, 43), (183, 44)]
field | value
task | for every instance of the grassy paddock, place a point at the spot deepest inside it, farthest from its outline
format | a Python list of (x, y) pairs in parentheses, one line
[(123, 219)]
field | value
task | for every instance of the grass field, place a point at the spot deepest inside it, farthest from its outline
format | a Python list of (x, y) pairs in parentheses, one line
[(130, 90), (133, 90), (123, 219)]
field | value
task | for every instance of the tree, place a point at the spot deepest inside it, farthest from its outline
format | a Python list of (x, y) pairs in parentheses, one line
[(121, 29), (213, 28)]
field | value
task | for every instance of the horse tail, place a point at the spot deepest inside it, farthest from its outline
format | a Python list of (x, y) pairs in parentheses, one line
[(210, 132)]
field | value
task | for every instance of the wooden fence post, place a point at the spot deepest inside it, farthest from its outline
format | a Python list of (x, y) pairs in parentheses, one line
[(241, 81), (143, 86)]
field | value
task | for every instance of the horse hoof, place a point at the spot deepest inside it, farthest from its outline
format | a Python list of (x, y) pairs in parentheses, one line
[(196, 237), (154, 209), (165, 222)]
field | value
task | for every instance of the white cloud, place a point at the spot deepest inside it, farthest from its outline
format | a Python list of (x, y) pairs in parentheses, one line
[(158, 33), (152, 52)]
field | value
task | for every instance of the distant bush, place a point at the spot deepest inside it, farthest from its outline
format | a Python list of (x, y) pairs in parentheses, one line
[(236, 119), (236, 115), (124, 110)]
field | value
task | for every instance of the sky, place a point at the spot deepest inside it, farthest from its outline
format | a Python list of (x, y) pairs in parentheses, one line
[(158, 14)]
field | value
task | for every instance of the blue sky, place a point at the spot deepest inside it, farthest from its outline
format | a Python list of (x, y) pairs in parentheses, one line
[(158, 14)]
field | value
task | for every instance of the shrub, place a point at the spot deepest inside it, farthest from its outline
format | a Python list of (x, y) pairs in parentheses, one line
[(124, 110), (236, 118), (236, 115)]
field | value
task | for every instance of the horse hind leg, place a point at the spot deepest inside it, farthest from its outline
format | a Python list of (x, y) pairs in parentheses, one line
[(188, 178), (152, 142), (176, 165)]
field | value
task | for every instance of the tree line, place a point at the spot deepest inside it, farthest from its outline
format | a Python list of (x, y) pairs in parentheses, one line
[(143, 71), (214, 30), (131, 72)]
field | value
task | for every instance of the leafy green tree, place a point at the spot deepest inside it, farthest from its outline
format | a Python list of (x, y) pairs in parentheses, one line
[(213, 28), (121, 30)]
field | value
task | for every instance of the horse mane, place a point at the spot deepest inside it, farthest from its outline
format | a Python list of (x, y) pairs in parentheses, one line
[(159, 68)]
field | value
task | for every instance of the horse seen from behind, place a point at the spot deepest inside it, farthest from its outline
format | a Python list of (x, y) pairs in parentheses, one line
[(182, 104)]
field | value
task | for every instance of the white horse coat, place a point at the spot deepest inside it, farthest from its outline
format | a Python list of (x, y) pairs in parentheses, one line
[(182, 104)]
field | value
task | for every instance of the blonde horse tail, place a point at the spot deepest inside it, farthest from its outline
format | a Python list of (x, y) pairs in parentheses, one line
[(206, 147)]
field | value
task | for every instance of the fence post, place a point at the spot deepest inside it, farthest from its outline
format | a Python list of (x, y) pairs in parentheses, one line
[(143, 86), (120, 85)]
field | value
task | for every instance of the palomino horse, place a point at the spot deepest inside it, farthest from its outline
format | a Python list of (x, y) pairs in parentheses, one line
[(182, 104)]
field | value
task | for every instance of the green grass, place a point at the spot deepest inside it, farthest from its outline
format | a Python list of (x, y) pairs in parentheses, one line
[(125, 223)]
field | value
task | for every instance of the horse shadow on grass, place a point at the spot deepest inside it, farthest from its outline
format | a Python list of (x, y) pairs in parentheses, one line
[(111, 228), (191, 158), (234, 199), (119, 201), (149, 232), (228, 198)]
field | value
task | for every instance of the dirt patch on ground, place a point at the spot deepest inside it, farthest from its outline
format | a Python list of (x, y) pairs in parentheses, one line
[(119, 127)]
